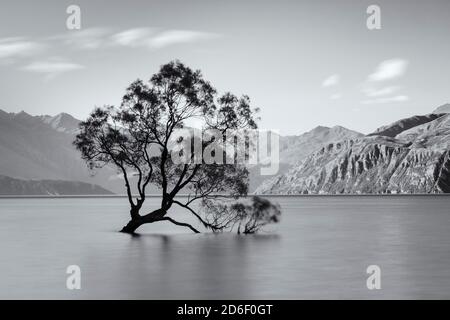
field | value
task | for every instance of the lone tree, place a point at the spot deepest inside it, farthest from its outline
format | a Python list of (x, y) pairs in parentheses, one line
[(138, 136)]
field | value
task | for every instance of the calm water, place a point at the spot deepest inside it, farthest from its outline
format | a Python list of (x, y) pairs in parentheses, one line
[(320, 250)]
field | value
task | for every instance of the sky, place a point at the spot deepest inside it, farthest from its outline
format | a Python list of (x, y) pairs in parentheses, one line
[(303, 63)]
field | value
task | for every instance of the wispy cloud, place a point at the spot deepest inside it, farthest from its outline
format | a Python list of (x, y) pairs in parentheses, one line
[(331, 81), (153, 39), (374, 92), (99, 38), (336, 96), (87, 39), (389, 69), (172, 37), (52, 68), (399, 98), (12, 48), (133, 37)]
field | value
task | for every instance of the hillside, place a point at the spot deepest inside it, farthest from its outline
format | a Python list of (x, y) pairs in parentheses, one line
[(40, 148), (416, 160), (10, 186), (295, 148)]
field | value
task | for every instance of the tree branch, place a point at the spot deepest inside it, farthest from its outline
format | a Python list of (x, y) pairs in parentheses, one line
[(179, 223), (205, 224)]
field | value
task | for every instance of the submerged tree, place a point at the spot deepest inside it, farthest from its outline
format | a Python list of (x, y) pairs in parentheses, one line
[(138, 139)]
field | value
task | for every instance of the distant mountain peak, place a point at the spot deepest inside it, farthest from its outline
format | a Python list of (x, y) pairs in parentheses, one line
[(295, 148), (445, 108), (340, 128), (320, 128), (64, 115), (23, 114), (63, 122)]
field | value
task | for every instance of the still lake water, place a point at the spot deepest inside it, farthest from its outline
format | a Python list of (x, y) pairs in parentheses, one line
[(321, 249)]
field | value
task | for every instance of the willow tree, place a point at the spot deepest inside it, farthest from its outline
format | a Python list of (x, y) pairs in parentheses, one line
[(137, 138)]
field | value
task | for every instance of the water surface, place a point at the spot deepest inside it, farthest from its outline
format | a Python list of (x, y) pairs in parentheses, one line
[(321, 249)]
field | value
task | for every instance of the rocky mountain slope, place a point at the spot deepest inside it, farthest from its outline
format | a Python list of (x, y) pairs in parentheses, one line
[(414, 160), (295, 148), (10, 186)]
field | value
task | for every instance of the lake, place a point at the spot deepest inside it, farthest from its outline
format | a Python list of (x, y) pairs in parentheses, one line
[(320, 249)]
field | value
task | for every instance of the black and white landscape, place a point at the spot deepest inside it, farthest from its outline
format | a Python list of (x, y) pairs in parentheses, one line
[(95, 205)]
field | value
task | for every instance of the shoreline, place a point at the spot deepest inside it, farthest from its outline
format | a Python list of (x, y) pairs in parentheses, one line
[(259, 195)]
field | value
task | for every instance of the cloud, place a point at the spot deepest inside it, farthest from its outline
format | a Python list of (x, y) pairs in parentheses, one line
[(172, 37), (98, 38), (133, 37), (331, 81), (11, 48), (87, 39), (389, 69), (399, 98), (336, 96), (373, 92), (152, 39), (52, 68)]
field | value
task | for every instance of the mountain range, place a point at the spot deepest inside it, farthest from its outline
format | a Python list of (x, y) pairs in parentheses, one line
[(10, 186), (36, 148), (40, 148), (411, 155)]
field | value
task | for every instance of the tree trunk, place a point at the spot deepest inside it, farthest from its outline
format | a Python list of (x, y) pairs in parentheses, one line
[(134, 213), (157, 215), (138, 221), (131, 226)]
